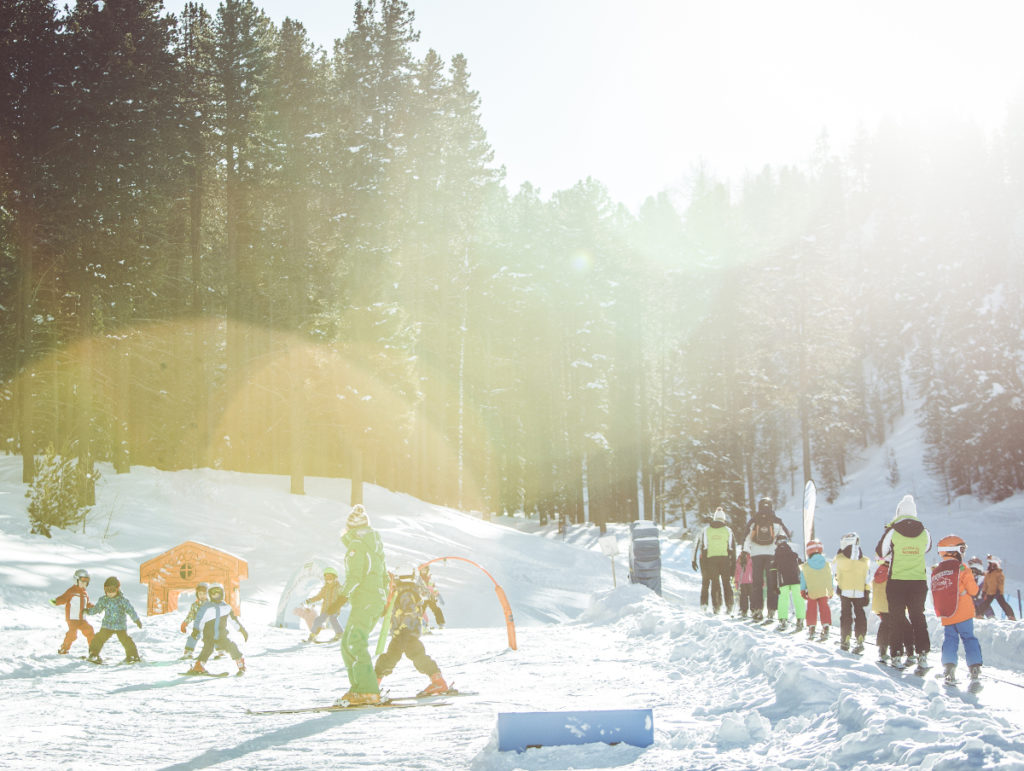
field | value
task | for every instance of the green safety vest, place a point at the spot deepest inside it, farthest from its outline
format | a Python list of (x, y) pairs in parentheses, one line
[(716, 541), (908, 561)]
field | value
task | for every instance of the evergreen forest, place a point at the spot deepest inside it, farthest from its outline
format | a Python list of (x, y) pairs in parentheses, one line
[(224, 246)]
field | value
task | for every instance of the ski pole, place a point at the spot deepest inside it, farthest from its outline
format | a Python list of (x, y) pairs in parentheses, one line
[(1020, 613)]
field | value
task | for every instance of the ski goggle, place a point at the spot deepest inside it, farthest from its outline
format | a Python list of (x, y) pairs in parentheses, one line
[(83, 578)]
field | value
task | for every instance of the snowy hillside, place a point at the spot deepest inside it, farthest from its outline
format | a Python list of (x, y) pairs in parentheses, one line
[(724, 694)]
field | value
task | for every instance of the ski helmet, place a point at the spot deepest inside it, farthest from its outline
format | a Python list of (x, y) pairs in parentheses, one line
[(953, 545), (975, 562), (850, 539), (814, 547), (718, 516), (202, 586), (330, 572), (993, 560), (80, 574), (215, 592), (780, 539), (111, 583), (764, 506)]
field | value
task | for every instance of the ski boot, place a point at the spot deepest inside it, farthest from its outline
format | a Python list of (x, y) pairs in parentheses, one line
[(811, 632), (859, 645), (197, 669), (757, 616), (131, 660), (783, 623), (824, 633), (799, 626), (922, 663), (949, 673), (883, 657), (241, 667), (844, 643), (352, 699), (743, 614), (975, 670), (311, 638), (94, 658), (437, 686), (336, 638), (186, 655)]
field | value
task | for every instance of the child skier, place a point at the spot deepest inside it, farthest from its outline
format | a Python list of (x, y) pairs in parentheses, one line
[(854, 591), (332, 601), (116, 610), (890, 644), (953, 585), (787, 565), (744, 579), (817, 588), (215, 631), (76, 596), (433, 599), (406, 601), (978, 569), (190, 643), (993, 588)]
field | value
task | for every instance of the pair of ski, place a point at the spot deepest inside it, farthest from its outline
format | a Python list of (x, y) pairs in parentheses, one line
[(396, 702)]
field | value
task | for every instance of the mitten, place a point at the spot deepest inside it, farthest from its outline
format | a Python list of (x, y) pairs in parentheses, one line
[(245, 635), (693, 565), (138, 624), (184, 626), (803, 593), (53, 602)]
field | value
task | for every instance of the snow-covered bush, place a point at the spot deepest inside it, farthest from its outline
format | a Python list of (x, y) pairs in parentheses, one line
[(56, 494)]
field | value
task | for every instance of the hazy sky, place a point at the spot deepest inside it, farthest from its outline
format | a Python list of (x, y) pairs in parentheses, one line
[(635, 93)]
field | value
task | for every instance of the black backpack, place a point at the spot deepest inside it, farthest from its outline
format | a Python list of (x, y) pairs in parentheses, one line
[(763, 532), (407, 612)]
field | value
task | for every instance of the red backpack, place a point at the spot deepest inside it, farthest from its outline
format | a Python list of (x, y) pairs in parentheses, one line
[(945, 585), (881, 573)]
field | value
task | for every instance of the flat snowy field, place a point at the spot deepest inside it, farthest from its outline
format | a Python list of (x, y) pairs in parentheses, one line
[(724, 694)]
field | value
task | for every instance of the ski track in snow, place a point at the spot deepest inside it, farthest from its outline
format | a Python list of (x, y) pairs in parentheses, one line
[(724, 693)]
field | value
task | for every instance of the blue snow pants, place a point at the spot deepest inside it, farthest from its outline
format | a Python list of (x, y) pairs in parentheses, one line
[(951, 643)]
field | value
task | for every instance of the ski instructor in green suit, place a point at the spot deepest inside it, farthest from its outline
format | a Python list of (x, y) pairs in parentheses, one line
[(365, 588)]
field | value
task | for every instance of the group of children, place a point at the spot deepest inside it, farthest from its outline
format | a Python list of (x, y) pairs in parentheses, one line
[(960, 592), (117, 609), (410, 596)]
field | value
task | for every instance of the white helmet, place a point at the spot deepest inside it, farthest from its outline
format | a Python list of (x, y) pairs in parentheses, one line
[(993, 560), (80, 574), (850, 539), (718, 516)]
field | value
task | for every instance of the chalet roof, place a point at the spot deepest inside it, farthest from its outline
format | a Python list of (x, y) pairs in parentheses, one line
[(193, 551)]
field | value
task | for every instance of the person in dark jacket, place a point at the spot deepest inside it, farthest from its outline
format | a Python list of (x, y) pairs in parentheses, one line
[(762, 530), (905, 542), (716, 549), (787, 567)]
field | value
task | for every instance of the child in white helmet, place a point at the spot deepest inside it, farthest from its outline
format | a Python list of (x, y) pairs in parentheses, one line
[(76, 602), (854, 591)]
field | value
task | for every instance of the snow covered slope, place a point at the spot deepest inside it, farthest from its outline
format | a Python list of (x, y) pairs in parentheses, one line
[(724, 694)]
